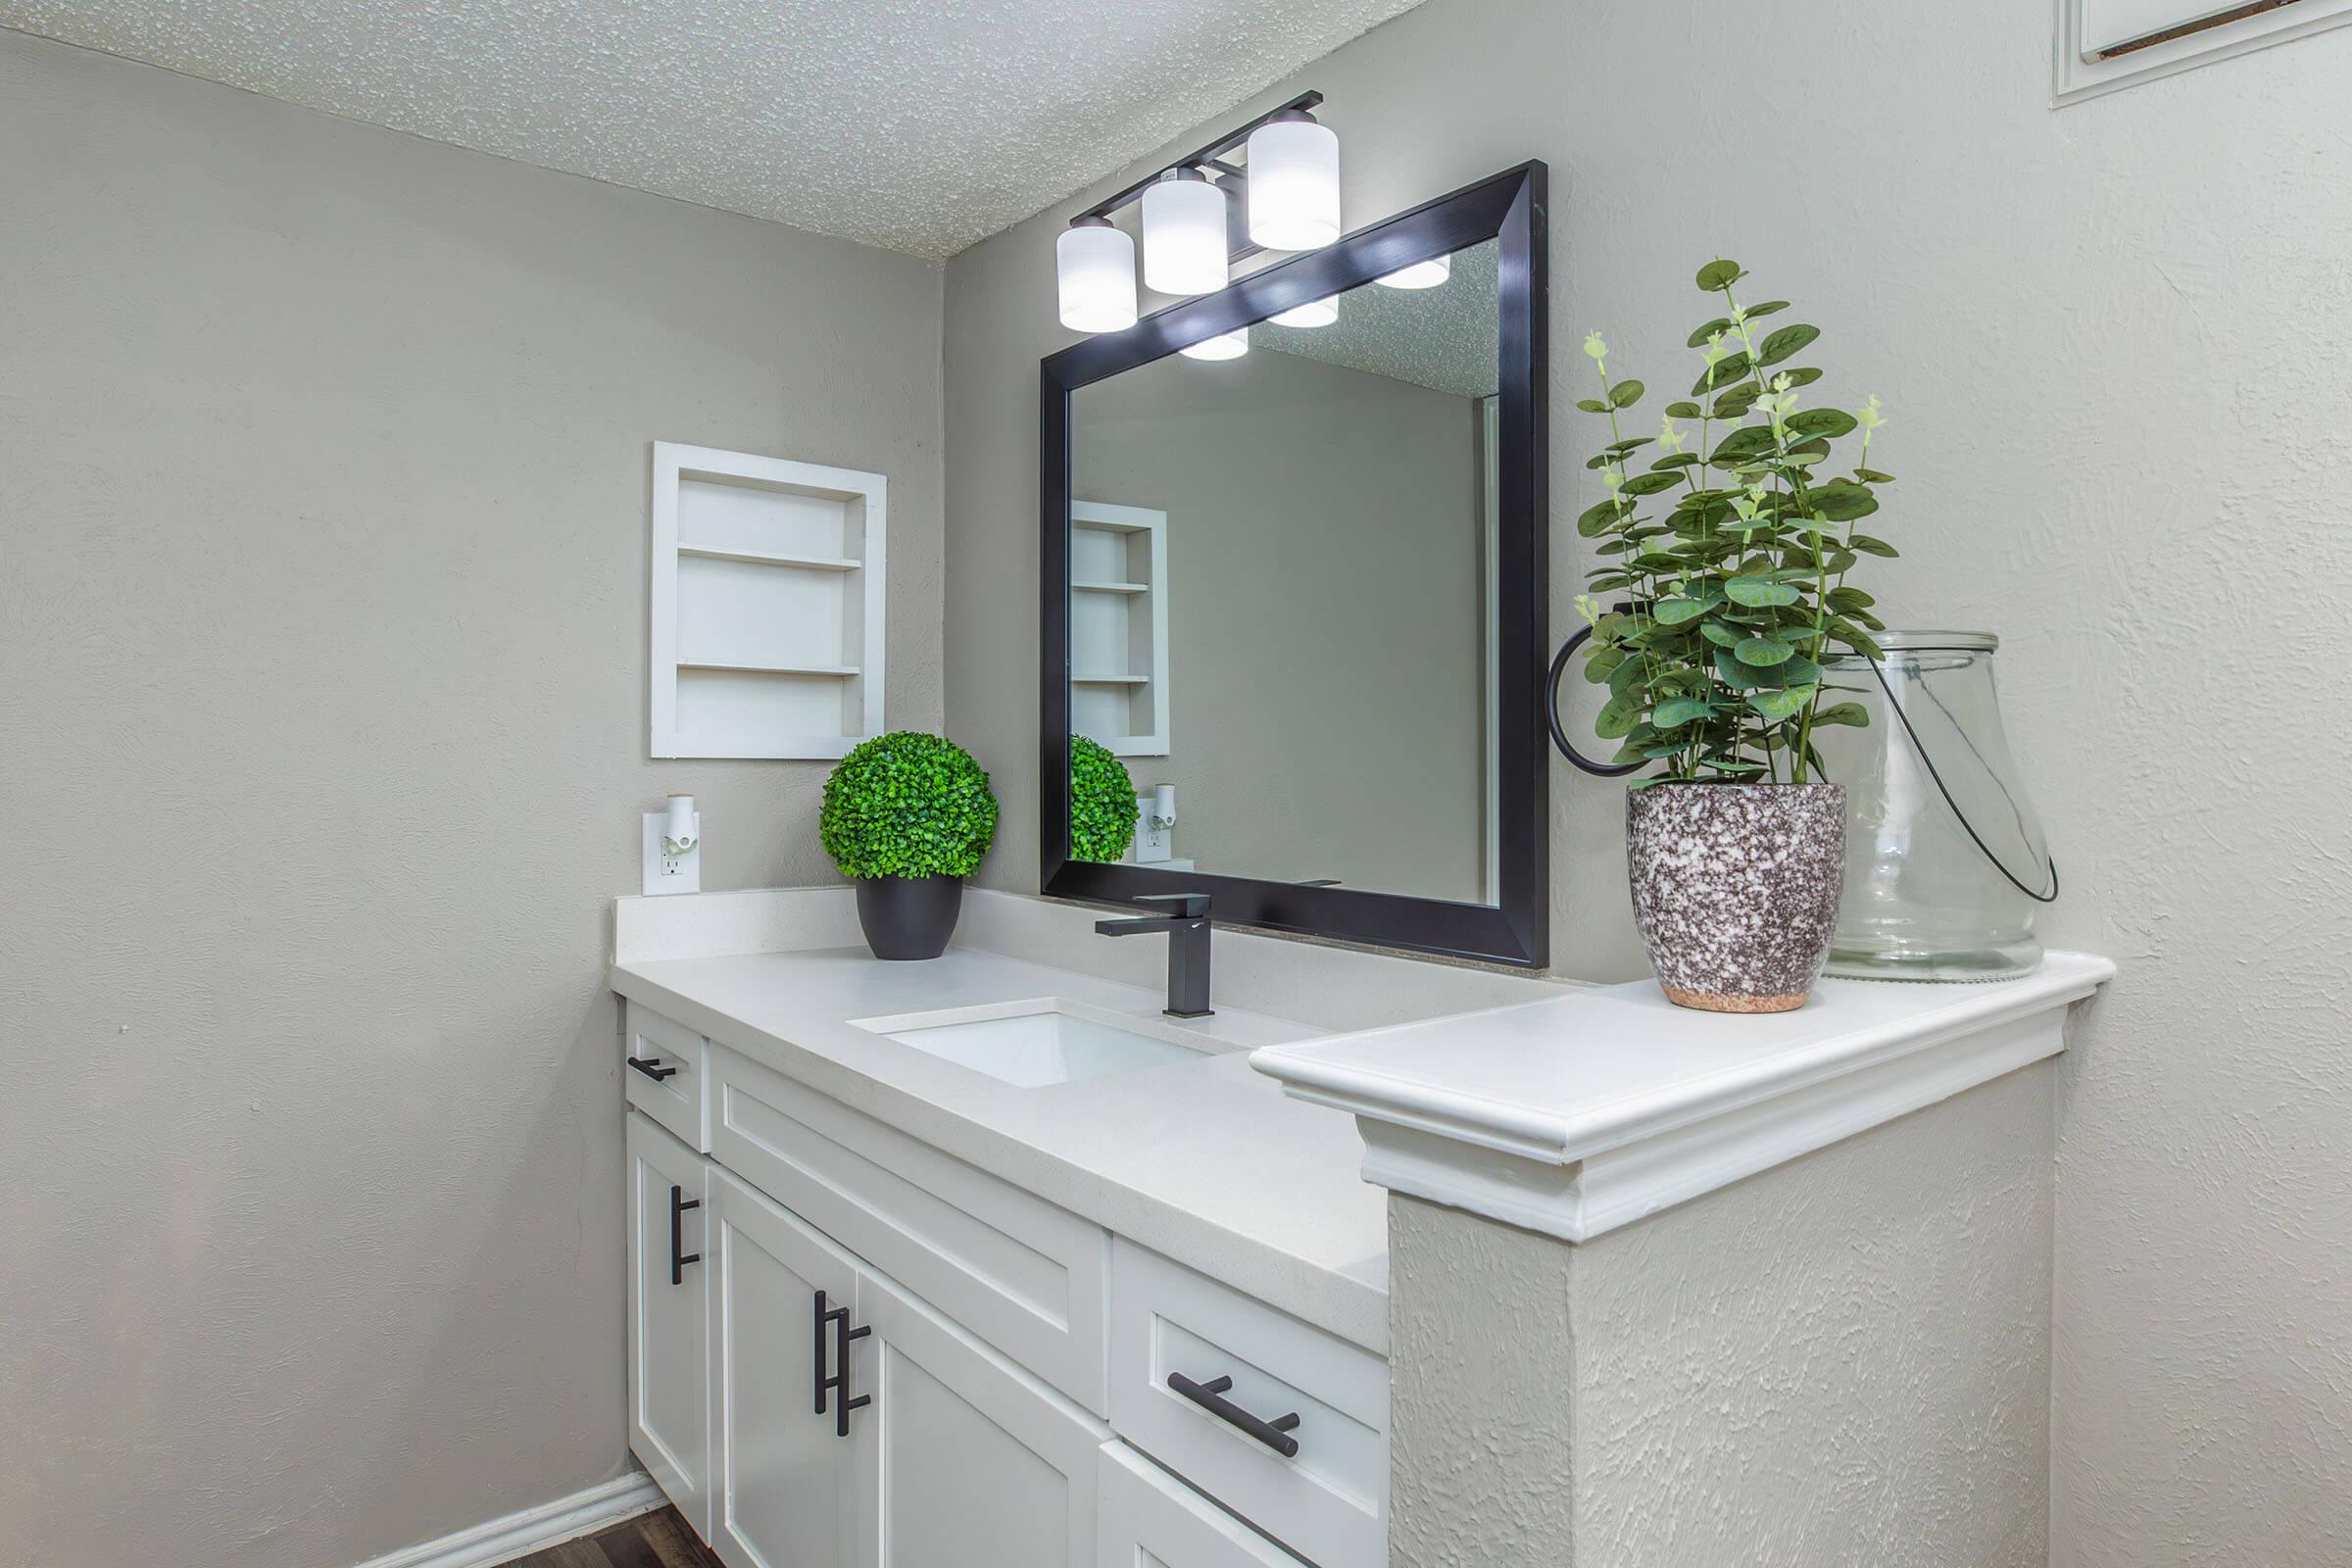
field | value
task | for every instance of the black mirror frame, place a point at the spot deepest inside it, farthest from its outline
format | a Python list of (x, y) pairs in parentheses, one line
[(1508, 208)]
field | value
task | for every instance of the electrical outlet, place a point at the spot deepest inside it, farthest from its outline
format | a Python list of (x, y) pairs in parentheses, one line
[(671, 873)]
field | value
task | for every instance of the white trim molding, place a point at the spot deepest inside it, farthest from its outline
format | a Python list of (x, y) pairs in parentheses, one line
[(1575, 1115), (2102, 45), (518, 1535)]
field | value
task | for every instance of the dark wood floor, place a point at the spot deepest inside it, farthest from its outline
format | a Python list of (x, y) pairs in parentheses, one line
[(657, 1540)]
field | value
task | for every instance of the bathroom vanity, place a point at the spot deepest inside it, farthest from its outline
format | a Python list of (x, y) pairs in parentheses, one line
[(987, 1262)]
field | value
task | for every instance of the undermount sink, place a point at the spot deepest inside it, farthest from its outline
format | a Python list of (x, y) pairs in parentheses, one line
[(1031, 1044)]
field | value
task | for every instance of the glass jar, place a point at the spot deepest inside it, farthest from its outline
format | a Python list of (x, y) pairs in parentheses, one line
[(1925, 899)]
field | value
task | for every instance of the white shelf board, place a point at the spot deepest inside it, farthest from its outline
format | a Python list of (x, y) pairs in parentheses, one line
[(1110, 587), (1109, 680), (761, 557), (770, 669)]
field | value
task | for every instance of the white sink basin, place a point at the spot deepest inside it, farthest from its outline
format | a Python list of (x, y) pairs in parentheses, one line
[(1047, 1041)]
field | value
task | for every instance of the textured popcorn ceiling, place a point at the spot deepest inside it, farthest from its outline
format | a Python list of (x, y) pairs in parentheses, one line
[(918, 124)]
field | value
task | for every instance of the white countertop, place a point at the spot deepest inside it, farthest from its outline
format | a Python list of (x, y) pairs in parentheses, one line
[(1576, 1114), (1204, 1161)]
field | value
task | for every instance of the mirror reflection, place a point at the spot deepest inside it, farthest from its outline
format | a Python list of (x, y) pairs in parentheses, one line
[(1281, 595)]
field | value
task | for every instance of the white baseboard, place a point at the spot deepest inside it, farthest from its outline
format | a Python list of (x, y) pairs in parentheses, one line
[(518, 1535)]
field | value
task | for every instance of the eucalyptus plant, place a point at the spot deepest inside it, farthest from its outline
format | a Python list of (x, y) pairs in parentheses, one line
[(1727, 556)]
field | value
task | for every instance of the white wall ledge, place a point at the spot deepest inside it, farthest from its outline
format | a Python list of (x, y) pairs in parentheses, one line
[(1577, 1114)]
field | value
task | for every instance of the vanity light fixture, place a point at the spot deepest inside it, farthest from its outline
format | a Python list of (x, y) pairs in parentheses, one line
[(1193, 220), (1183, 234), (1224, 346), (1314, 313), (1095, 263), (1294, 184), (1421, 274)]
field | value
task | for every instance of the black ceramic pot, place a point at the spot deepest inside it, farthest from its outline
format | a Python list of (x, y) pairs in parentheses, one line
[(910, 916)]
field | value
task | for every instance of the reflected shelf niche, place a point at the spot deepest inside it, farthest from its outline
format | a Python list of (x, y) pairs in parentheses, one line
[(766, 619), (1120, 627)]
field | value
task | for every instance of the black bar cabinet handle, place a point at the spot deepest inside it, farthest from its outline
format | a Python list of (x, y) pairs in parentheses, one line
[(843, 1334), (652, 1068), (679, 1257), (1209, 1396), (838, 1318)]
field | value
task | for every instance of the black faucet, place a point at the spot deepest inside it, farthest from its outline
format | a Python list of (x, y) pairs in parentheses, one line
[(1187, 928)]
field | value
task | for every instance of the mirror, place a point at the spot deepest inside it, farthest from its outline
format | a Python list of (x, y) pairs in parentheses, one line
[(1293, 580)]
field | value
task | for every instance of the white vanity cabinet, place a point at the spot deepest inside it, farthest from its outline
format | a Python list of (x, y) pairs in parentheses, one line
[(848, 1349)]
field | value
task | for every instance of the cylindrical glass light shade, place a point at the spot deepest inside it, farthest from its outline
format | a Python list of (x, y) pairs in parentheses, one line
[(1184, 234), (1421, 274), (1294, 184), (1315, 313), (1224, 346), (1095, 263)]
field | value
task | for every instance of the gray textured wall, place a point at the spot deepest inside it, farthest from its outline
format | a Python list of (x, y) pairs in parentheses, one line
[(1323, 557), (323, 483), (1843, 1360), (2113, 341)]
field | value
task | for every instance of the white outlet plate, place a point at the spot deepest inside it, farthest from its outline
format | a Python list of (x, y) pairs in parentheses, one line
[(671, 873), (1153, 845)]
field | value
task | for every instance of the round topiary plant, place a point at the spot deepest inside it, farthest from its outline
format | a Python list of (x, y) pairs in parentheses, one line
[(1103, 808), (907, 805)]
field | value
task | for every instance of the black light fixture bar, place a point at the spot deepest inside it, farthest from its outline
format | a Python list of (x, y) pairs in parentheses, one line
[(1208, 157)]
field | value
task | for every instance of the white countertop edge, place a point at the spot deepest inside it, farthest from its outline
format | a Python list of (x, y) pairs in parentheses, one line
[(1338, 1303), (1577, 1169)]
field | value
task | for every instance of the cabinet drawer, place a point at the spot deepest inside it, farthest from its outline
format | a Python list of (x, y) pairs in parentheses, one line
[(1026, 1277), (1328, 1500), (1147, 1518), (662, 1064)]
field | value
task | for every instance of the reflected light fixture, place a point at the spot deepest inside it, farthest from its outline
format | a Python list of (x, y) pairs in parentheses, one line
[(1294, 184), (1421, 274), (1203, 213), (1183, 234), (1094, 264), (1224, 346), (1314, 313)]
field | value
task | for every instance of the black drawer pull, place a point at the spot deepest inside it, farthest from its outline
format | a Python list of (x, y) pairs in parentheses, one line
[(679, 1257), (1209, 1396), (652, 1068)]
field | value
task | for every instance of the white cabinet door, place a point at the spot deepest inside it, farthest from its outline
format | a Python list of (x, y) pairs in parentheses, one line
[(1152, 1520), (669, 1428), (783, 1482), (976, 1465)]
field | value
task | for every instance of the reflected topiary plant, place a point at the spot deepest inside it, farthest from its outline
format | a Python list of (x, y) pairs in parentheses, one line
[(1730, 549), (907, 805), (1103, 808)]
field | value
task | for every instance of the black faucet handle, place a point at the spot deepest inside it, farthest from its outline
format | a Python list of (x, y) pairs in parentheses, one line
[(1179, 906)]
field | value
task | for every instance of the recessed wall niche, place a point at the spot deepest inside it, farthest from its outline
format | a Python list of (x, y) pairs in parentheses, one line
[(766, 625)]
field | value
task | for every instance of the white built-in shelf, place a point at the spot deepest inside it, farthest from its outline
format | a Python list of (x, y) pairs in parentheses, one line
[(771, 669), (1119, 622), (768, 601), (763, 557)]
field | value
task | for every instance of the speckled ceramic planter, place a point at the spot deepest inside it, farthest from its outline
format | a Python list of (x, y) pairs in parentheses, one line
[(1735, 889)]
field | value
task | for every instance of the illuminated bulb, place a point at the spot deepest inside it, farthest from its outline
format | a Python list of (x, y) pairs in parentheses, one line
[(1095, 265), (1421, 274), (1224, 346), (1315, 313), (1294, 184), (1184, 234)]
